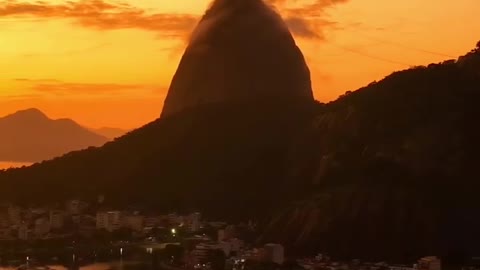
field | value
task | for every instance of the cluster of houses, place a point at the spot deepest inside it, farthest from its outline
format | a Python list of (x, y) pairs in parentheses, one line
[(322, 262), (78, 217)]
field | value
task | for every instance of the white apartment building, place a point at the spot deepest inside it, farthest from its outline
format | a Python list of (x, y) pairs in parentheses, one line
[(56, 219), (109, 220), (429, 263)]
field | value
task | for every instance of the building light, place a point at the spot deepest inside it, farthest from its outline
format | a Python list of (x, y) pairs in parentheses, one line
[(174, 231)]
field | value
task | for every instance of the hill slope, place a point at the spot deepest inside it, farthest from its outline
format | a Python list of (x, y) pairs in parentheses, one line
[(30, 136), (391, 169), (194, 159)]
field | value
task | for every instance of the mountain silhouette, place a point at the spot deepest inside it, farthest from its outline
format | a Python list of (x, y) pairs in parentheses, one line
[(30, 136), (384, 172), (232, 59)]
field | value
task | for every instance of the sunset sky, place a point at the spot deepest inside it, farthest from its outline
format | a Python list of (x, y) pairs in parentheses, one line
[(107, 63)]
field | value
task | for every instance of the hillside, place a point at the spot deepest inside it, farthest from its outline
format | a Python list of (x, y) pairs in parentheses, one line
[(30, 136), (194, 159), (391, 169)]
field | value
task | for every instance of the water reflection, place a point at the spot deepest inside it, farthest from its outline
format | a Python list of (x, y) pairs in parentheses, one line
[(50, 267), (99, 258)]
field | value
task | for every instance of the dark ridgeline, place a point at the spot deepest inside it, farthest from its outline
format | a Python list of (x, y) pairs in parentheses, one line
[(384, 172), (392, 169)]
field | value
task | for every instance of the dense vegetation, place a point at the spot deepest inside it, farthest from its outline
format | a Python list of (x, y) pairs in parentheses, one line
[(392, 168), (387, 171)]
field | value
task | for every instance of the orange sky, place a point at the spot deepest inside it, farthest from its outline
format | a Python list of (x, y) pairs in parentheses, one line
[(109, 64)]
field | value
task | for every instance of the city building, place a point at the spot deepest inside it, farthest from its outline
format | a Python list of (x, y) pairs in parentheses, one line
[(174, 219), (429, 263), (194, 222), (56, 219), (153, 221), (202, 250), (275, 253), (109, 220), (14, 215), (87, 226), (24, 232), (101, 220), (134, 222), (400, 267), (41, 227)]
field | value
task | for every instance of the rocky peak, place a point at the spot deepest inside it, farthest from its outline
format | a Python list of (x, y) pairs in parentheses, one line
[(241, 50)]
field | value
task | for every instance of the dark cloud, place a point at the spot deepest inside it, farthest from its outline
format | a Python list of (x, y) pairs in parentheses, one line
[(301, 27), (102, 15), (306, 21), (308, 28), (61, 88)]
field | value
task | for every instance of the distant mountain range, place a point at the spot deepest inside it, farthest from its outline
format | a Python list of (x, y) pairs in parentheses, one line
[(30, 136)]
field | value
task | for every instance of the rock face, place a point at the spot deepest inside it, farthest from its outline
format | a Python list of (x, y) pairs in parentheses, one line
[(241, 50)]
